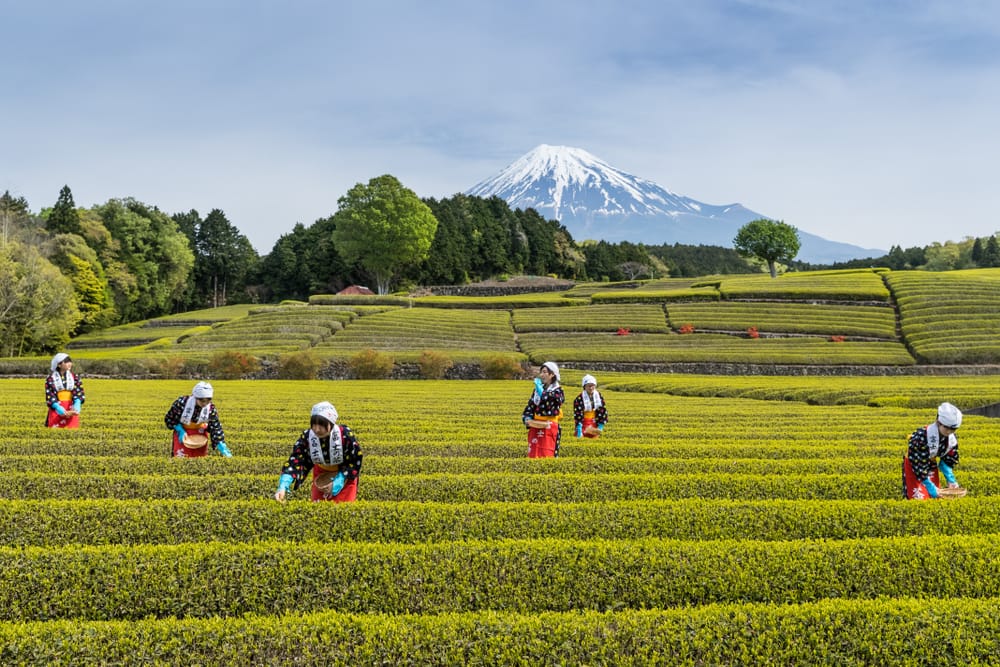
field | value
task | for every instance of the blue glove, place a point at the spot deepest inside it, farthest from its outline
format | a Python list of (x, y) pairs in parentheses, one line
[(338, 484), (76, 405), (285, 482), (579, 430), (947, 471), (60, 410), (180, 432), (222, 449), (932, 490), (600, 427), (538, 386)]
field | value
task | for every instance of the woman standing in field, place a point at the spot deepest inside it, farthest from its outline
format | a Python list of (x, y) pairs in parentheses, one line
[(542, 413), (590, 414), (195, 423), (331, 451), (927, 443), (63, 394)]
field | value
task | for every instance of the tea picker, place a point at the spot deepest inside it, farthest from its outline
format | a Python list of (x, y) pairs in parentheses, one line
[(542, 413), (331, 452), (195, 424), (933, 451), (590, 413)]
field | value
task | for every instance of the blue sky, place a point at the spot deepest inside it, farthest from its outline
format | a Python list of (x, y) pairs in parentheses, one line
[(873, 123)]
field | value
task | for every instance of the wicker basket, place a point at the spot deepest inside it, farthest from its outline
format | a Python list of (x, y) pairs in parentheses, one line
[(538, 423), (324, 481), (946, 492), (195, 440)]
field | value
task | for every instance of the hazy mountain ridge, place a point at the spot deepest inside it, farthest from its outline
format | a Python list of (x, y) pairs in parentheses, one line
[(595, 200)]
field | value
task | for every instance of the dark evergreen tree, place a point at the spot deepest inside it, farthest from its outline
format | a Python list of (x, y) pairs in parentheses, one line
[(991, 253), (64, 218)]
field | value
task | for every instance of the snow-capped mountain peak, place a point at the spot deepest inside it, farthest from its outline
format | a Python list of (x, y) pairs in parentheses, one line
[(595, 200), (561, 180)]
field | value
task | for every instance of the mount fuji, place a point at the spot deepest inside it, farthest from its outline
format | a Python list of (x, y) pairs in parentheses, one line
[(597, 201)]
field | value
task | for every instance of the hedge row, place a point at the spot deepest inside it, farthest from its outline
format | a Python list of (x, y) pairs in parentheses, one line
[(709, 348), (63, 522), (645, 318), (380, 466), (208, 579), (487, 487), (848, 632)]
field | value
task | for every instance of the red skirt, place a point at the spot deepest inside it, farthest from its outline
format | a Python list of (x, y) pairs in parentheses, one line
[(347, 494), (55, 420), (913, 488), (183, 451), (542, 441)]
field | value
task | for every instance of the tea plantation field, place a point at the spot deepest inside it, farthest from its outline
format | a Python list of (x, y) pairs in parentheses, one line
[(716, 522)]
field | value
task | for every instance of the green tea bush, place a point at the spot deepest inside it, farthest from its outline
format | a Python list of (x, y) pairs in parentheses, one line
[(371, 365), (433, 364), (302, 365)]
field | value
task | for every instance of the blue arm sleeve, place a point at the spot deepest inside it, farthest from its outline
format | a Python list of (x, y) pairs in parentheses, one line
[(932, 489), (948, 472), (285, 482)]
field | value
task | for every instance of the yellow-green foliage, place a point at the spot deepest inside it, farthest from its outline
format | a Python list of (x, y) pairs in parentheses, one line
[(709, 348), (849, 285), (414, 330), (802, 318), (608, 318), (951, 317), (698, 529)]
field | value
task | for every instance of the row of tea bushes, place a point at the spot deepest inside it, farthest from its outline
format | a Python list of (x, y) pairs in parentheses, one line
[(118, 582), (835, 631), (607, 318), (914, 391), (798, 318), (51, 522), (581, 348), (490, 487)]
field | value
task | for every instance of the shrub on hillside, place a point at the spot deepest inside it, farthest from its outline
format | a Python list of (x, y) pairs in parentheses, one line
[(371, 365), (500, 367), (169, 367), (232, 365), (303, 365), (433, 364)]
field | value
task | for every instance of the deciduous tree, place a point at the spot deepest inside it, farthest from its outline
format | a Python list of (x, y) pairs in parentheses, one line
[(769, 240), (384, 227)]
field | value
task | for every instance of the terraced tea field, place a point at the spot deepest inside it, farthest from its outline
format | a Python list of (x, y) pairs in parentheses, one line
[(705, 529), (820, 319)]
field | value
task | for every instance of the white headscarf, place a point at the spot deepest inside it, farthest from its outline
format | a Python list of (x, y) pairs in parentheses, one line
[(591, 402), (57, 380), (56, 360), (551, 365), (187, 414), (202, 390), (326, 410)]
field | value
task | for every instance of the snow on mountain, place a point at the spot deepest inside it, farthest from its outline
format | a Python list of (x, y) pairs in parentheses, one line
[(595, 200)]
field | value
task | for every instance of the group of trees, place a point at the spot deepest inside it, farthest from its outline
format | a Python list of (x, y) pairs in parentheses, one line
[(66, 270), (69, 270)]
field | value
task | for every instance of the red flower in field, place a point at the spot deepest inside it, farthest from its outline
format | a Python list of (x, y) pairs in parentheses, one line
[(622, 331), (686, 328), (753, 333), (837, 339)]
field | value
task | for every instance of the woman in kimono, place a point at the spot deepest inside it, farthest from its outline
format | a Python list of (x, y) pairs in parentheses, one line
[(195, 423), (934, 443), (542, 413), (63, 394), (589, 410), (331, 452)]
